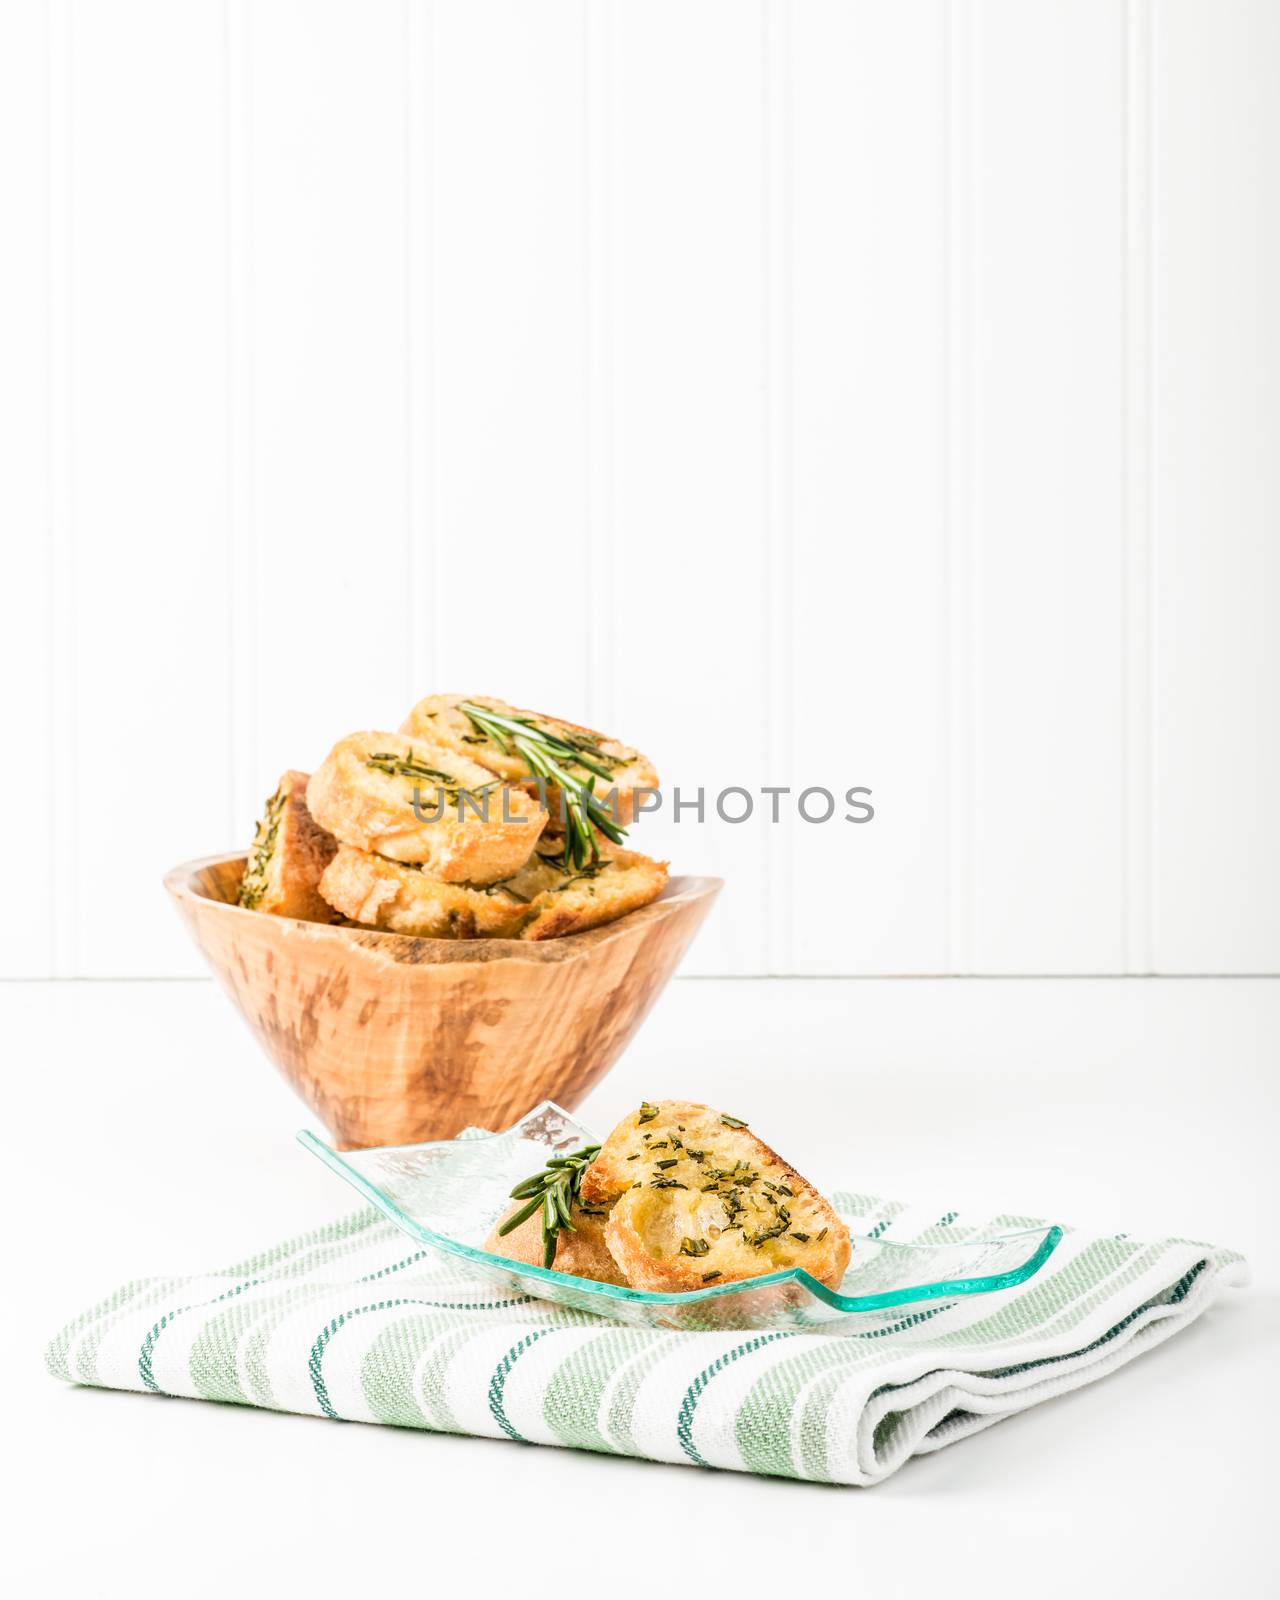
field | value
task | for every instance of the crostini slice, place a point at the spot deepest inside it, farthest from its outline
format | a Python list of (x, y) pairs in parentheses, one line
[(569, 900), (580, 1250), (591, 759), (469, 827), (289, 854), (695, 1199), (541, 901)]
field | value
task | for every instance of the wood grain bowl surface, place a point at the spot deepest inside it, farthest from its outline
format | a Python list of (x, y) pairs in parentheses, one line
[(392, 1040)]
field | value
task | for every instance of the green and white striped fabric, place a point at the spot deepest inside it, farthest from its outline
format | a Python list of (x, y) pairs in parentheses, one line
[(351, 1323)]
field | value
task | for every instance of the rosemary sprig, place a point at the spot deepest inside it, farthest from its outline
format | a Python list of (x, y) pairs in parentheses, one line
[(554, 1191), (546, 755)]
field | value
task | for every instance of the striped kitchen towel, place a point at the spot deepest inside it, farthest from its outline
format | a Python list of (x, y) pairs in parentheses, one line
[(349, 1322)]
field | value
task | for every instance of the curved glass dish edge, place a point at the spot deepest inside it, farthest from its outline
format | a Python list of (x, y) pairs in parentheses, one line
[(559, 1284)]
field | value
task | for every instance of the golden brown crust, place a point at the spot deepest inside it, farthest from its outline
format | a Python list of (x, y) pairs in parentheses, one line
[(388, 894), (438, 720), (367, 802), (721, 1208), (289, 855), (581, 1252), (623, 881), (539, 902)]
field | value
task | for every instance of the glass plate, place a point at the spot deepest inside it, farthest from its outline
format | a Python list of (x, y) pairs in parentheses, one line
[(449, 1194)]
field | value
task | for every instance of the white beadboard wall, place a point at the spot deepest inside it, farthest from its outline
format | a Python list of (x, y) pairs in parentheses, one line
[(812, 391)]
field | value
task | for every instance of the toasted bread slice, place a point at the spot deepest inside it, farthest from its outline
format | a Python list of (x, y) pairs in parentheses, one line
[(402, 898), (438, 719), (571, 902), (541, 901), (289, 854), (581, 1251), (469, 827), (697, 1199)]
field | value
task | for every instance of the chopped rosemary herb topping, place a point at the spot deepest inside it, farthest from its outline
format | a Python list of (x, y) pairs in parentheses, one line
[(453, 790), (732, 1122), (708, 1276), (503, 888), (407, 766), (647, 1112), (254, 883), (671, 1161), (694, 1247)]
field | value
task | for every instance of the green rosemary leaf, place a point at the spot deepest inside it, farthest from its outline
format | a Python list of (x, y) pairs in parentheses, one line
[(523, 1215), (732, 1122), (553, 1192), (543, 753)]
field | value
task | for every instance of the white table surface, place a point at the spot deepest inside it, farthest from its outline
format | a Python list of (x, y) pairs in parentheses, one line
[(150, 1135)]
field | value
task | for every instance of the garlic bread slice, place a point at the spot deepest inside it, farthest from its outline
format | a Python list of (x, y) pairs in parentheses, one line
[(696, 1198), (541, 901), (468, 827), (289, 854), (401, 898), (573, 901), (591, 758), (580, 1250)]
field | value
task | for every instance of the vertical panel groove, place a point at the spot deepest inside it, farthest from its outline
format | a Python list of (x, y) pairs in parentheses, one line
[(62, 639), (958, 542), (420, 410), (597, 75), (776, 458), (1137, 487), (244, 775)]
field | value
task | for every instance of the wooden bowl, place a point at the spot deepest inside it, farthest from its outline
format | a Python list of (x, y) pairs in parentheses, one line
[(392, 1040)]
